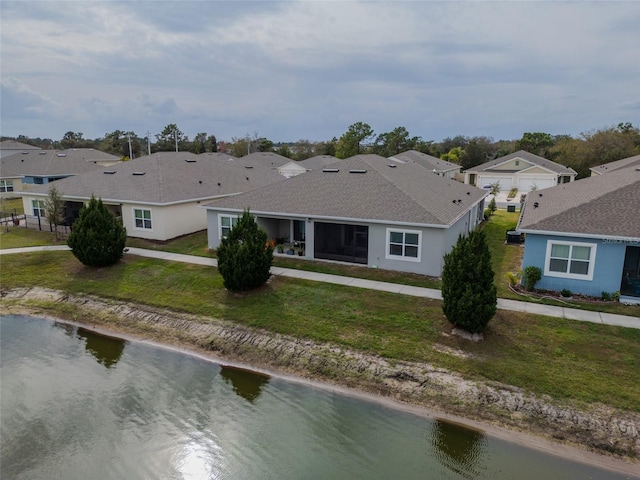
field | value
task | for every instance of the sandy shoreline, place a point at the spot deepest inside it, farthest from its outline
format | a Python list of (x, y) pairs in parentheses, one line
[(400, 386)]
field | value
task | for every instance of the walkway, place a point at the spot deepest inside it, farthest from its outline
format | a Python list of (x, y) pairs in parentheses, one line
[(503, 304)]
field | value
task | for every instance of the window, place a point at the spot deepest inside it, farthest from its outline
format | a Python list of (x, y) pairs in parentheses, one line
[(226, 224), (570, 260), (142, 218), (38, 208), (403, 244), (6, 185)]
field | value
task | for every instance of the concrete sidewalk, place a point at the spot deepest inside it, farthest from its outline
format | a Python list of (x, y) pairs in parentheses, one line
[(503, 304)]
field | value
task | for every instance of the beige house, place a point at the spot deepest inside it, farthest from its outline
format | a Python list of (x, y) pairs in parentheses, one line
[(156, 196), (521, 170)]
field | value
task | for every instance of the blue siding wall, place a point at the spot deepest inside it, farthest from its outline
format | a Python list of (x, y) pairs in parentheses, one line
[(608, 265)]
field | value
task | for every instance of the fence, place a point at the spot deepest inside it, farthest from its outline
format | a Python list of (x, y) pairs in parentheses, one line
[(32, 222)]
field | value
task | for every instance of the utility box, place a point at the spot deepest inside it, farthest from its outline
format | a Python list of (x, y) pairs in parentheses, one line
[(514, 237), (511, 208)]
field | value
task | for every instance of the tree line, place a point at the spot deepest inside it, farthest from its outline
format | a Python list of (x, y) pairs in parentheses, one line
[(580, 153)]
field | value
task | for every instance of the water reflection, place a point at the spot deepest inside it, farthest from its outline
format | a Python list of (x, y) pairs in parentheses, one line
[(246, 383), (458, 448), (107, 350)]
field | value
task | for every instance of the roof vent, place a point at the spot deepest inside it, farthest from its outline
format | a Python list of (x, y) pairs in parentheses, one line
[(218, 183), (536, 205), (42, 153), (190, 160), (109, 172), (391, 165), (61, 154), (248, 166), (247, 178), (539, 194), (139, 173), (25, 153), (356, 170), (330, 170)]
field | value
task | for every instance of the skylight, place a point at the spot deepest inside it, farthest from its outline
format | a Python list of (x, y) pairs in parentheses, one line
[(356, 170), (139, 173), (109, 172), (330, 170)]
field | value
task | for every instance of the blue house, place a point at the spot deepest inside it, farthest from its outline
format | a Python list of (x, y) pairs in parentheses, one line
[(585, 235)]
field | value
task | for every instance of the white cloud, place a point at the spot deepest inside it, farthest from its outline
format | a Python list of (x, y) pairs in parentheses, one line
[(308, 69)]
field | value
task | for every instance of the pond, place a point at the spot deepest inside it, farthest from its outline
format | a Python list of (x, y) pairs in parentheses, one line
[(76, 404)]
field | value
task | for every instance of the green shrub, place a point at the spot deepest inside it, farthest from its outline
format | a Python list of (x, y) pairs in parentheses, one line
[(469, 295), (514, 278), (492, 205), (487, 214), (512, 193), (245, 256), (97, 238), (606, 296), (615, 296), (531, 276), (566, 293)]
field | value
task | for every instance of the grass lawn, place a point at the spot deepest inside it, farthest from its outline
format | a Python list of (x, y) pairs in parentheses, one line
[(11, 205), (504, 259), (567, 360)]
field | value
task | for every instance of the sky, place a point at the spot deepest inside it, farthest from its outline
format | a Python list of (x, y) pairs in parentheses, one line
[(307, 70)]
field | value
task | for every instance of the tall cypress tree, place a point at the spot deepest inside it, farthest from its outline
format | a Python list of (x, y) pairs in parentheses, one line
[(97, 238), (469, 297), (244, 257)]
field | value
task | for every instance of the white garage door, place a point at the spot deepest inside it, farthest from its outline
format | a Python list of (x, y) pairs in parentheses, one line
[(485, 182), (527, 184)]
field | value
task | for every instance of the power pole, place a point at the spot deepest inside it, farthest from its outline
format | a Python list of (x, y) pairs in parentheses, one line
[(148, 142), (130, 152), (175, 134)]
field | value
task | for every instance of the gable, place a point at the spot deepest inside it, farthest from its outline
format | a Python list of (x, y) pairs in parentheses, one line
[(513, 165), (538, 170)]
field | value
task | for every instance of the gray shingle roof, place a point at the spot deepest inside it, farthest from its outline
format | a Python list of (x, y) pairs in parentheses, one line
[(318, 162), (47, 163), (163, 178), (612, 166), (364, 187), (604, 205), (427, 161), (528, 157), (13, 145)]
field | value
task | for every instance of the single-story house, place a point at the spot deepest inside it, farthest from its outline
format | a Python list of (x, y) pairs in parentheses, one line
[(585, 235), (613, 166), (38, 167), (436, 165), (11, 147), (366, 210), (522, 170), (157, 195)]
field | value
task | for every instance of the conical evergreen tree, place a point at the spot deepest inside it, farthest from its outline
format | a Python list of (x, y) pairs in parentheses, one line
[(244, 257), (469, 296), (97, 238)]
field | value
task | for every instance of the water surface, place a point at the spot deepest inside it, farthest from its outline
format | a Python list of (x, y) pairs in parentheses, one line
[(78, 405)]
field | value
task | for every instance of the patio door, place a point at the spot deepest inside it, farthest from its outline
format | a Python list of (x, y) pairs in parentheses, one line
[(341, 242), (630, 284)]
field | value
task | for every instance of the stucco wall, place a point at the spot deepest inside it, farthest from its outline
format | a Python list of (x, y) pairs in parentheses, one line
[(607, 273), (167, 221)]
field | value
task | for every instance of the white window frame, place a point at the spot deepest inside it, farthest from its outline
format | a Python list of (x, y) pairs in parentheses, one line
[(135, 218), (233, 221), (37, 206), (6, 186), (403, 257), (576, 276)]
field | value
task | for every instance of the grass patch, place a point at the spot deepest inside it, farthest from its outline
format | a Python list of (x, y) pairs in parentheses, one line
[(11, 205), (16, 237), (567, 360), (504, 259)]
